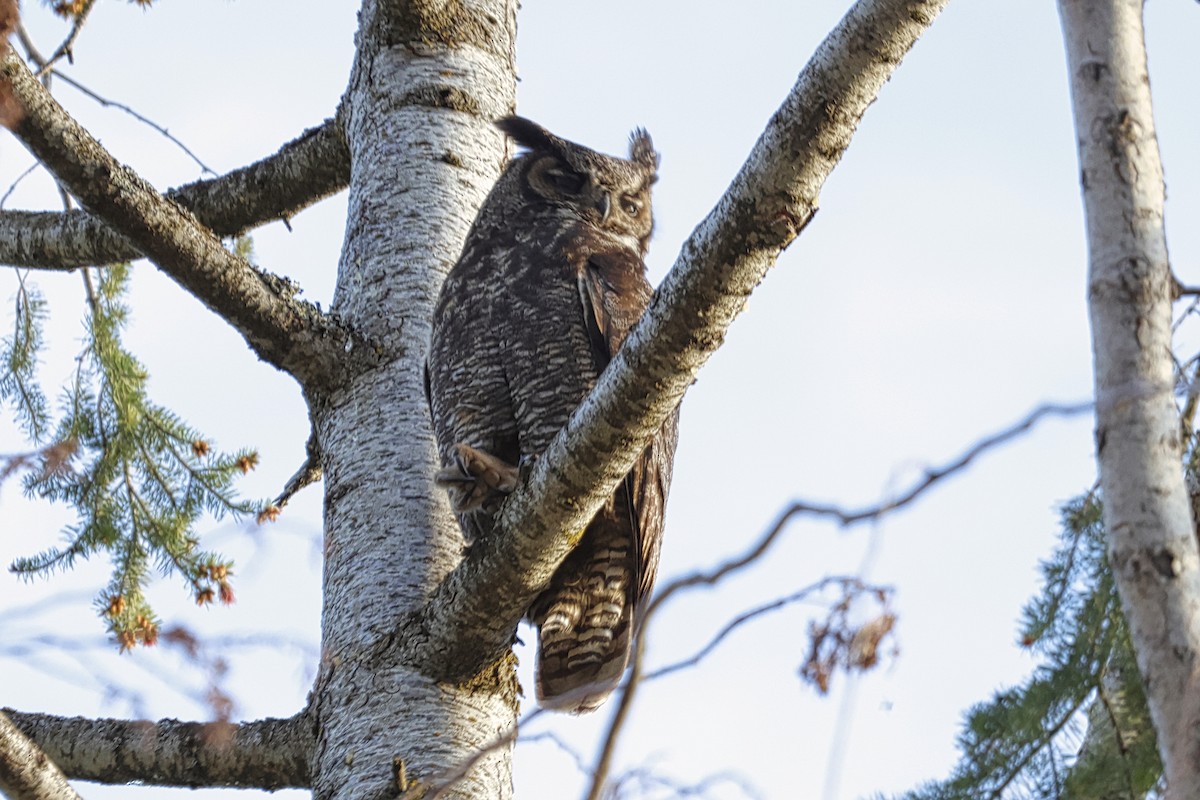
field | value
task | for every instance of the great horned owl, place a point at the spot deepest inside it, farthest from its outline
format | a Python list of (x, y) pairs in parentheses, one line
[(549, 283)]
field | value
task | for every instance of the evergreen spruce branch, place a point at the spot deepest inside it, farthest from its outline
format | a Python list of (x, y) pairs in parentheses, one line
[(1037, 748), (1043, 612), (1077, 624), (304, 171), (291, 334), (152, 472), (137, 492), (18, 361), (1118, 759), (221, 468)]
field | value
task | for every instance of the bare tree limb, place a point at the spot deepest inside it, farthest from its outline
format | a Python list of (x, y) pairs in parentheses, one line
[(264, 754), (311, 167), (290, 334), (469, 620), (1147, 515), (26, 772), (107, 103)]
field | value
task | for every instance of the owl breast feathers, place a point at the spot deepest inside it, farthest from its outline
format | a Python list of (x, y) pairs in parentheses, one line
[(549, 283)]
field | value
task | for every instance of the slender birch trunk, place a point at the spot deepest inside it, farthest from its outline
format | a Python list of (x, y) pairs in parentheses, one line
[(1152, 542), (418, 174)]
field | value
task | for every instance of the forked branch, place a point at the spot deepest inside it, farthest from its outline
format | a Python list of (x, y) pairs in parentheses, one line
[(770, 201), (307, 169), (290, 334)]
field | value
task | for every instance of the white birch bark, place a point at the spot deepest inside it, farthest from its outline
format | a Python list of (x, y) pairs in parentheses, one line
[(26, 773), (427, 84), (412, 702), (1152, 542)]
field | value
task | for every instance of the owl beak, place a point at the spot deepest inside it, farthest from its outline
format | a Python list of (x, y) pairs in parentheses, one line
[(603, 205)]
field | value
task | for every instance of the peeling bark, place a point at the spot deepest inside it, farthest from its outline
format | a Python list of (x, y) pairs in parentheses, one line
[(313, 166), (288, 333), (1151, 540)]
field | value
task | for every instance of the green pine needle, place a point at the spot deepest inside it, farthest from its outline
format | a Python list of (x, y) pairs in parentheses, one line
[(140, 479), (18, 361), (1078, 727)]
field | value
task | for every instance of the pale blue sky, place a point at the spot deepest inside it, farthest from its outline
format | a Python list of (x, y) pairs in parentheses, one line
[(938, 296)]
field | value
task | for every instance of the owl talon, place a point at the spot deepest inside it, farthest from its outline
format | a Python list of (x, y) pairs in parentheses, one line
[(475, 475)]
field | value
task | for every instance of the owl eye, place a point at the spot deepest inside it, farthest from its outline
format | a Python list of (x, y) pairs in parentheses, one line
[(630, 206), (565, 181)]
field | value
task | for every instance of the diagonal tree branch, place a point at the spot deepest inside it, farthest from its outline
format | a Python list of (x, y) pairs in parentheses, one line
[(263, 754), (290, 334), (470, 618), (26, 772), (307, 169)]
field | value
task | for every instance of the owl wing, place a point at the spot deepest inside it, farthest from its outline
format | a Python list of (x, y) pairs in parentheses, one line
[(615, 294)]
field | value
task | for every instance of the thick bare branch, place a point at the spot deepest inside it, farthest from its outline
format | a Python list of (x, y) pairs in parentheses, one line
[(264, 754), (769, 202), (309, 168), (292, 335), (26, 772), (1147, 517)]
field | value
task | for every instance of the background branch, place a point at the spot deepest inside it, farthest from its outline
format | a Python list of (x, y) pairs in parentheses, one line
[(753, 554), (263, 754)]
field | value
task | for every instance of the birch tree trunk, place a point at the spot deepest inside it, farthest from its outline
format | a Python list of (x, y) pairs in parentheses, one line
[(1152, 542), (417, 176)]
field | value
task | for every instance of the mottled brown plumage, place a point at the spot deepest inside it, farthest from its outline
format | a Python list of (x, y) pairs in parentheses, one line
[(549, 283)]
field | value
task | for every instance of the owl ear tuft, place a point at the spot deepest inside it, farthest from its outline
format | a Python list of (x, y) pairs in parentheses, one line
[(641, 150), (529, 134)]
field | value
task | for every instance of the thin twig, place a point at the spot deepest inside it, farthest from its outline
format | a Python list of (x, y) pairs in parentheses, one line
[(66, 48), (557, 741), (31, 51), (104, 101), (13, 187), (758, 611), (628, 691), (846, 518)]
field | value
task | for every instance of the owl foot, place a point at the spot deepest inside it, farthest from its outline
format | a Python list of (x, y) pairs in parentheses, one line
[(475, 475)]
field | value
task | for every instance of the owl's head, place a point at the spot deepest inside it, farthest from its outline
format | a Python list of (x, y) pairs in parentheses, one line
[(613, 194)]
